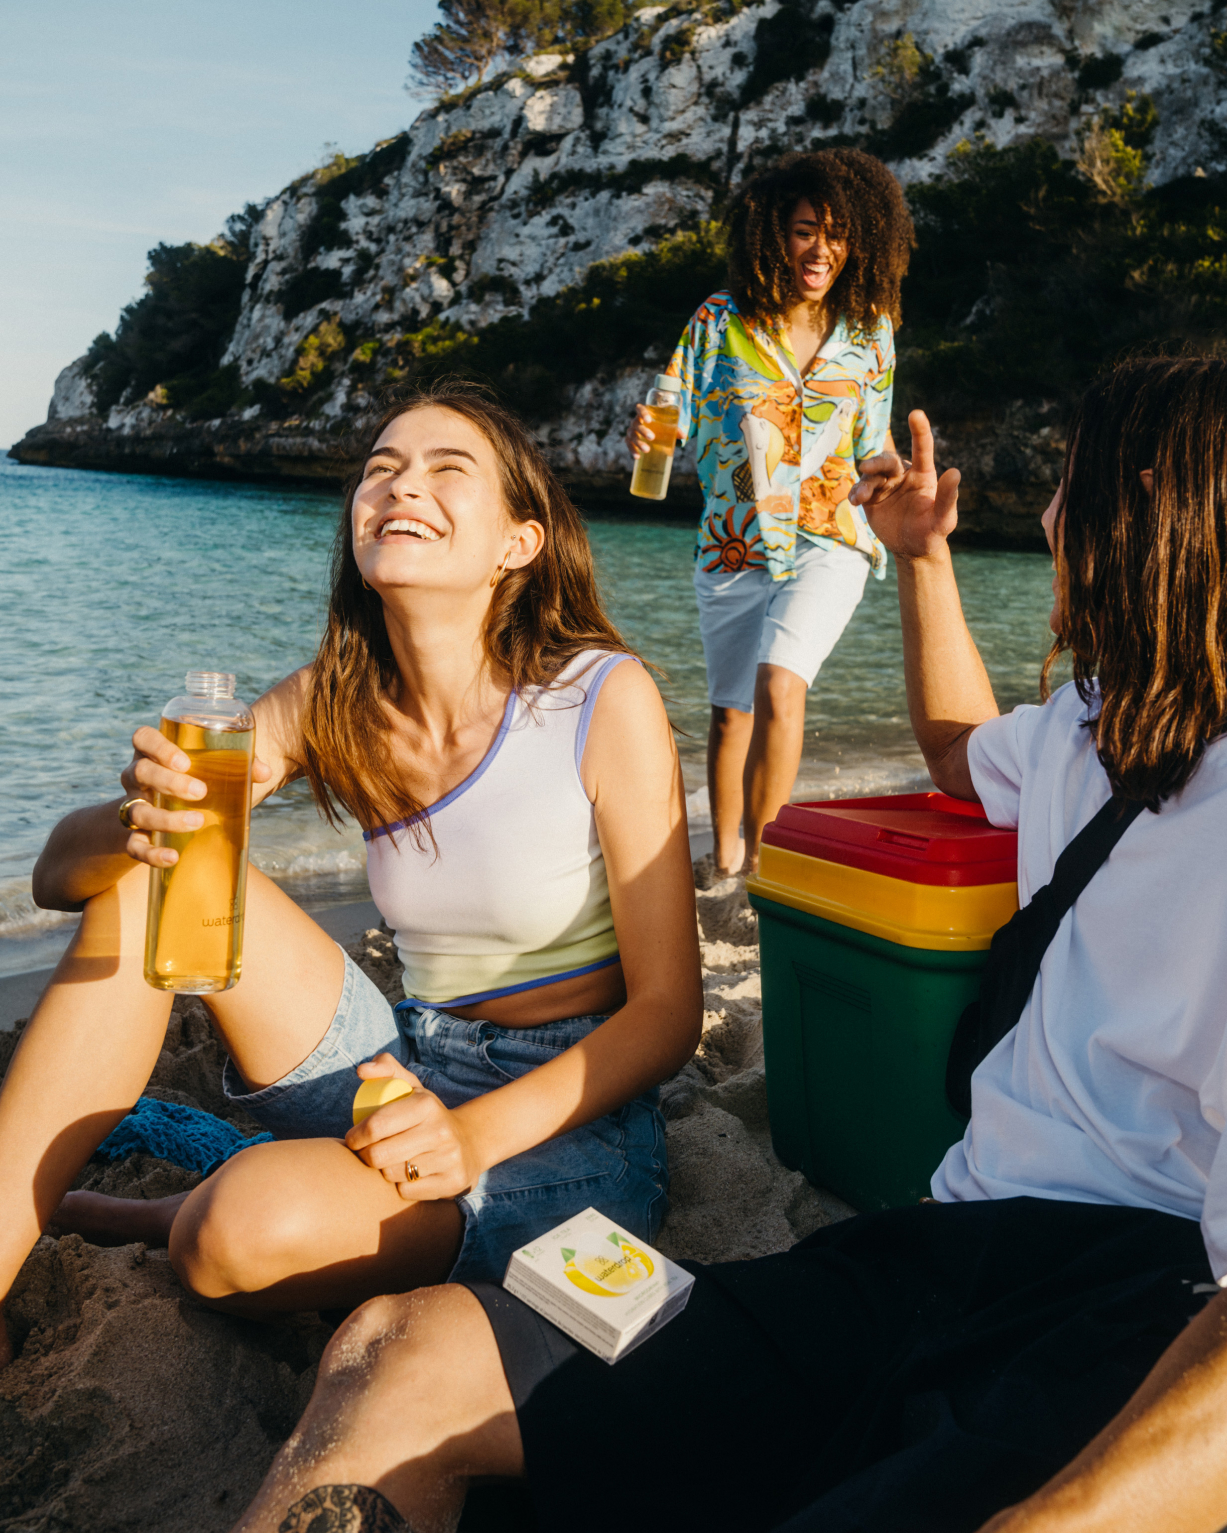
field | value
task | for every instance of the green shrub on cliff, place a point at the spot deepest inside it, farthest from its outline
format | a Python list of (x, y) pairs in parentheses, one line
[(1032, 272), (313, 356), (340, 179), (207, 394), (475, 37), (923, 106), (179, 328), (624, 308), (310, 285), (633, 177), (788, 45)]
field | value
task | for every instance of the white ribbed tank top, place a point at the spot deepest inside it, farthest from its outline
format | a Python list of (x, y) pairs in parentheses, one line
[(516, 895)]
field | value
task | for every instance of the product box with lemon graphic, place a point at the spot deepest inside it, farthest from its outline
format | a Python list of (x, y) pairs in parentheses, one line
[(605, 1288)]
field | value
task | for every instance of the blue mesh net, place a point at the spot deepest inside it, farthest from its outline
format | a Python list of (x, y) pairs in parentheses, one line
[(184, 1135)]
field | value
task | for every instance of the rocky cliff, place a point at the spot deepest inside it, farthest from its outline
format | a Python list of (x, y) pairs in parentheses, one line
[(526, 203)]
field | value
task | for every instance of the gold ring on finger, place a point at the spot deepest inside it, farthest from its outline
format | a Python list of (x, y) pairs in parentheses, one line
[(125, 812), (411, 1172)]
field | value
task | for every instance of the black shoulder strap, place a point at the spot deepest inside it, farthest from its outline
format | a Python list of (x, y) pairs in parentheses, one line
[(1019, 947), (1085, 855)]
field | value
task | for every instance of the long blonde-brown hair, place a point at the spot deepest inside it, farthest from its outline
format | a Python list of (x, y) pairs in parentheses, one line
[(1142, 605), (540, 618)]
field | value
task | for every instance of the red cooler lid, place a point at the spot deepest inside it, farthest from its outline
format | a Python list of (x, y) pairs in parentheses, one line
[(925, 838)]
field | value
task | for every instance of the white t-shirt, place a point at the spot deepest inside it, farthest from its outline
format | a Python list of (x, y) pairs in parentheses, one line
[(1113, 1087)]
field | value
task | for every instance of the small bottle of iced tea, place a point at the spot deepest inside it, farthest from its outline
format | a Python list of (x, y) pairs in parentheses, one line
[(652, 468), (194, 935)]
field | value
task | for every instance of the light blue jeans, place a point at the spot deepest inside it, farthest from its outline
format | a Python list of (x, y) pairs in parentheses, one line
[(616, 1164)]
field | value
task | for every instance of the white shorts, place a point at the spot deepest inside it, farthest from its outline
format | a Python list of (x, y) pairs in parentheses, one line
[(746, 619)]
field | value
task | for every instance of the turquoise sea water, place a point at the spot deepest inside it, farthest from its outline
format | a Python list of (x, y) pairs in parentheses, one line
[(112, 586)]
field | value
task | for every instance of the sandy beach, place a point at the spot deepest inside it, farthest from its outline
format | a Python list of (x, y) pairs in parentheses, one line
[(132, 1407)]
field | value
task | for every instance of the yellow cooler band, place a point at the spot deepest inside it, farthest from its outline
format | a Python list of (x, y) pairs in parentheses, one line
[(913, 915)]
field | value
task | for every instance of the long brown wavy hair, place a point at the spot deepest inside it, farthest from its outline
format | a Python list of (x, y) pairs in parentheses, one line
[(864, 205), (540, 618), (1140, 577)]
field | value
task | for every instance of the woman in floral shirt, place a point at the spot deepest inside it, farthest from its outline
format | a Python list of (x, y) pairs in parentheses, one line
[(786, 384)]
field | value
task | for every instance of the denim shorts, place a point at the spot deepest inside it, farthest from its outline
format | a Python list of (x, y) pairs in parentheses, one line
[(616, 1164), (746, 619)]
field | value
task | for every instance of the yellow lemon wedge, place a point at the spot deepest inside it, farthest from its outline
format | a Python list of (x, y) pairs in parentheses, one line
[(377, 1093)]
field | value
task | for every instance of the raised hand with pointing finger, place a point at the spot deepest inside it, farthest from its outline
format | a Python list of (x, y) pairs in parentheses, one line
[(908, 506)]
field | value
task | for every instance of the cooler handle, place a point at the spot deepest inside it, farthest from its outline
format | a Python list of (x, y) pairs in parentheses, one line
[(901, 838)]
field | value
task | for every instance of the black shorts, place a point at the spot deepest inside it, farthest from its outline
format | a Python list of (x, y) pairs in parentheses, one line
[(917, 1369)]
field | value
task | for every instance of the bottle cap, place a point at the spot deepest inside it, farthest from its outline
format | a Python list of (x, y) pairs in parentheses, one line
[(209, 683), (666, 381)]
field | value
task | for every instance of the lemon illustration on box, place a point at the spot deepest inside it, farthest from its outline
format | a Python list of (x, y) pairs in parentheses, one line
[(607, 1272), (602, 1285)]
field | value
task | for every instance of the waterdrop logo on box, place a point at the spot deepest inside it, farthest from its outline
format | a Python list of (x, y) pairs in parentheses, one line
[(605, 1272)]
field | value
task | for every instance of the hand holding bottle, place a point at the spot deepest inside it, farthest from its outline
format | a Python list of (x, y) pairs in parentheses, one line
[(644, 433), (641, 434), (194, 932), (652, 437), (159, 767)]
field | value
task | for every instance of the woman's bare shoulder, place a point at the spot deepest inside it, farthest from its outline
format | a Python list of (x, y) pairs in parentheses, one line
[(279, 715), (630, 734), (627, 686)]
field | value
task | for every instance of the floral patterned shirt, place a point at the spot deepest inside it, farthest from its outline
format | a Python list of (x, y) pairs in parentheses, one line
[(777, 451)]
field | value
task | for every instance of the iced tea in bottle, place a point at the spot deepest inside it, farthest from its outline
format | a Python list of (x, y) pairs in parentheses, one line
[(652, 468), (194, 935)]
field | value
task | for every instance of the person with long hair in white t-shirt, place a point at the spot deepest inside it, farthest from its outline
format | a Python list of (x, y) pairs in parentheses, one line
[(1032, 1350)]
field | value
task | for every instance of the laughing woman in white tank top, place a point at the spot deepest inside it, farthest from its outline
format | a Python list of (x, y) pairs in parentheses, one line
[(512, 766)]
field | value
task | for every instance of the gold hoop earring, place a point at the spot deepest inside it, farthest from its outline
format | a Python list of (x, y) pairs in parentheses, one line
[(365, 587), (498, 574)]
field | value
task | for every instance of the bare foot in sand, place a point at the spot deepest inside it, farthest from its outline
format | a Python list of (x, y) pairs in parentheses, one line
[(107, 1221), (708, 872)]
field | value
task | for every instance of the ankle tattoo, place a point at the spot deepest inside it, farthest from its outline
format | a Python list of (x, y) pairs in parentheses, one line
[(343, 1509)]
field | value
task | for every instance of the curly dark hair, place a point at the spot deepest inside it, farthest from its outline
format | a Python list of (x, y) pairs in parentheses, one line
[(865, 206)]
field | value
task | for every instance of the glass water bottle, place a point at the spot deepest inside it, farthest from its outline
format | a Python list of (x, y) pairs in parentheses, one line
[(650, 480), (194, 935)]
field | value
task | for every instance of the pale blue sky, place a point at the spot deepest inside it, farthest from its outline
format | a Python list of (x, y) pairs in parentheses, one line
[(128, 122)]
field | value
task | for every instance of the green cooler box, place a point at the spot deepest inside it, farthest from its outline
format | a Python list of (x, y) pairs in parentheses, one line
[(875, 916)]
